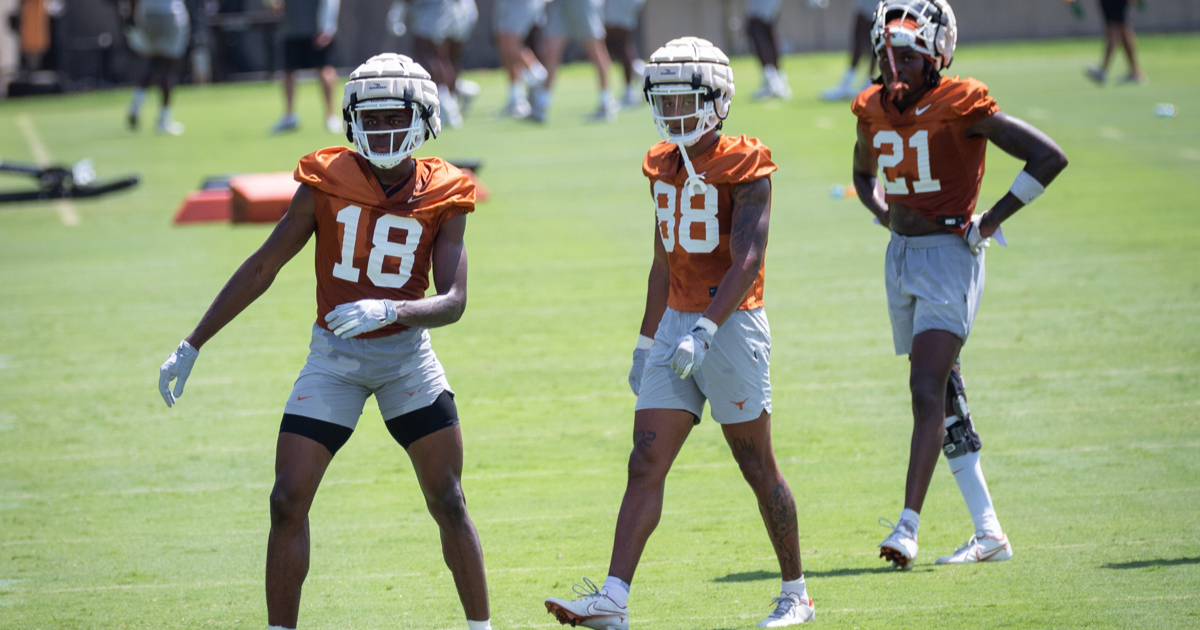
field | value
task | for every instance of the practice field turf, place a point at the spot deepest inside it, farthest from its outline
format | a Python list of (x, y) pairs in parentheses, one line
[(1083, 371)]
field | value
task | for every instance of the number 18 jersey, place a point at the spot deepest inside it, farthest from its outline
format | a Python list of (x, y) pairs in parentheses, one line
[(695, 229), (929, 164), (374, 243)]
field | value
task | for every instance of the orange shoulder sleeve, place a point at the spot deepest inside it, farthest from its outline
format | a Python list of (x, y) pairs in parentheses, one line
[(660, 162), (866, 102), (743, 160), (970, 100), (324, 168), (449, 187)]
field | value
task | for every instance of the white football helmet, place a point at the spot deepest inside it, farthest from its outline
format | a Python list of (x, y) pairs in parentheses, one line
[(927, 26), (391, 82), (688, 78)]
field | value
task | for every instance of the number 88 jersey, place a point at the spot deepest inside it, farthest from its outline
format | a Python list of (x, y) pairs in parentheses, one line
[(695, 228), (928, 162), (374, 243)]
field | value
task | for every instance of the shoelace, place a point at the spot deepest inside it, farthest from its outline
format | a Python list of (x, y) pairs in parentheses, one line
[(783, 606), (970, 543), (883, 522), (587, 589)]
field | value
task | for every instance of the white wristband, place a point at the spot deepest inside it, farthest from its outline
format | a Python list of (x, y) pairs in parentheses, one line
[(1026, 188), (706, 324), (644, 342)]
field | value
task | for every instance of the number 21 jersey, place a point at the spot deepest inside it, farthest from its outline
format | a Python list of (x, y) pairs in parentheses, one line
[(374, 243), (929, 164)]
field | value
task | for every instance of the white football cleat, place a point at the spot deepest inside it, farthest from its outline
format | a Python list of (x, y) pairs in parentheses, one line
[(789, 611), (593, 609), (980, 548), (901, 546)]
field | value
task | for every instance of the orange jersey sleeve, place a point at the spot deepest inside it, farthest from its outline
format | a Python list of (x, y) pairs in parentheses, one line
[(928, 162), (695, 229), (374, 243)]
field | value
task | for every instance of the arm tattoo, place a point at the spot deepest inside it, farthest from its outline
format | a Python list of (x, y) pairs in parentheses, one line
[(751, 204)]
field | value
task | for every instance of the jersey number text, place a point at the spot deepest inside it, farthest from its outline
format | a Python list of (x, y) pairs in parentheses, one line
[(381, 248), (919, 141), (665, 197)]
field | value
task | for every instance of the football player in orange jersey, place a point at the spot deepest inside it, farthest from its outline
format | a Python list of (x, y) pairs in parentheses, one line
[(704, 335), (929, 134), (382, 220)]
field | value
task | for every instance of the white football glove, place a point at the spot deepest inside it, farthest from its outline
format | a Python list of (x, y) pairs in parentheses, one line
[(178, 366), (690, 348), (355, 318), (640, 354), (974, 239)]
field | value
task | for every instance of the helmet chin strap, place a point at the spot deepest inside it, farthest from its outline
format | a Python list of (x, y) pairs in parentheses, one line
[(896, 88), (694, 185)]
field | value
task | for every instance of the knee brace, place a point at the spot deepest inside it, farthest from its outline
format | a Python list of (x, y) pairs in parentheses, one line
[(961, 437)]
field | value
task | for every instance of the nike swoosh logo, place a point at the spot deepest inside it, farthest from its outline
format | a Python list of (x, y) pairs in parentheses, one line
[(303, 397), (415, 199), (983, 558), (921, 110)]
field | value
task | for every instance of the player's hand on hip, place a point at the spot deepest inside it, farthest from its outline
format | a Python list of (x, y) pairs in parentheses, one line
[(177, 368), (355, 318), (974, 238), (690, 348), (640, 354)]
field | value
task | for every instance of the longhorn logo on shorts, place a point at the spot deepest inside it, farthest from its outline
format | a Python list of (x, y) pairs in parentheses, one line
[(739, 404)]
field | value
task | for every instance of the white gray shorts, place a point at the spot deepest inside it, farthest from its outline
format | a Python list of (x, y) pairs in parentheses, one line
[(401, 370), (518, 17), (163, 34), (934, 282), (439, 20), (735, 377), (578, 20), (866, 7), (623, 13), (765, 10)]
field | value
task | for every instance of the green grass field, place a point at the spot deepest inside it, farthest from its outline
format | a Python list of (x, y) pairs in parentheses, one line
[(1084, 373)]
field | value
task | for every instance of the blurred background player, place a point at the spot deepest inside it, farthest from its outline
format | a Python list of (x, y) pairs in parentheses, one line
[(308, 30), (760, 27), (704, 335), (513, 21), (1117, 29), (160, 34), (439, 28), (860, 46), (583, 22), (371, 335), (930, 135), (620, 25)]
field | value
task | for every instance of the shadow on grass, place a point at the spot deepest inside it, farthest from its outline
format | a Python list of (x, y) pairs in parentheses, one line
[(1161, 562), (754, 576)]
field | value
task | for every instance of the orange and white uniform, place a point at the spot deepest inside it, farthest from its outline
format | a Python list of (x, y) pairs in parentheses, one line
[(928, 162), (735, 377), (695, 229), (372, 243)]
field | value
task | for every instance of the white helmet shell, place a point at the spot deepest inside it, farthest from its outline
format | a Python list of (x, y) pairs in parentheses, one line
[(390, 81), (927, 26), (690, 65)]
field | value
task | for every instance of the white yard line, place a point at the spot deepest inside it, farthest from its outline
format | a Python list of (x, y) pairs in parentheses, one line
[(66, 209)]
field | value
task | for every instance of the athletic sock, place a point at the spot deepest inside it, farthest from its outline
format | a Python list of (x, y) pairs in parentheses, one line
[(617, 590), (164, 116), (279, 628), (479, 625), (910, 517), (848, 79), (135, 104), (769, 73), (969, 476), (516, 92), (605, 97), (795, 587)]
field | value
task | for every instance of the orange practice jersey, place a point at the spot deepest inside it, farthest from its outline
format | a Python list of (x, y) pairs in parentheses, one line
[(372, 245), (695, 230), (929, 164)]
